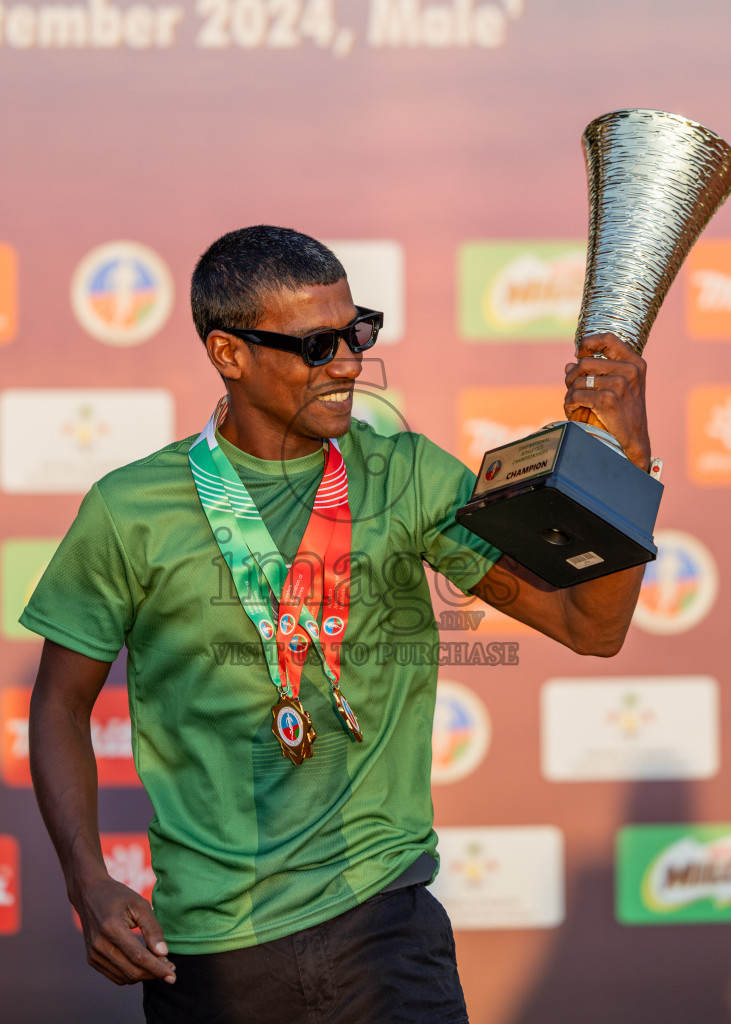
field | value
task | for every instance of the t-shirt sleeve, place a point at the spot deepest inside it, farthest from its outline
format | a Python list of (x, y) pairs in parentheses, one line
[(444, 484), (87, 596)]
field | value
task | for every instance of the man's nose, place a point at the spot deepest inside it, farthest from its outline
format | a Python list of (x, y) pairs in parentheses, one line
[(345, 365)]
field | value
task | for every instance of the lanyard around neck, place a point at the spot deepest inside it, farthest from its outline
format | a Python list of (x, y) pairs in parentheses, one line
[(317, 579)]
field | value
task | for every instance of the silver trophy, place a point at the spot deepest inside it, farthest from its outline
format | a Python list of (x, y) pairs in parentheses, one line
[(565, 501)]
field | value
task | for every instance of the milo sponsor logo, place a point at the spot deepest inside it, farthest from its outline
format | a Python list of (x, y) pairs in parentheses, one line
[(688, 871), (533, 286), (674, 874), (526, 290)]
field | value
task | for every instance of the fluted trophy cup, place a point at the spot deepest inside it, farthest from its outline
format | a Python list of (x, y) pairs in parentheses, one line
[(565, 501)]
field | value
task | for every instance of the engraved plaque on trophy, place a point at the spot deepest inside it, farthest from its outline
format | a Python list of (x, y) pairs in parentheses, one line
[(565, 501)]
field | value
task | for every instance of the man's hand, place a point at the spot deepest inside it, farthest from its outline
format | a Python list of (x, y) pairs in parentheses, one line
[(617, 399), (593, 617), (109, 911)]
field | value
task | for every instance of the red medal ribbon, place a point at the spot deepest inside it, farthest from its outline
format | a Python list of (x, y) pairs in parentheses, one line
[(317, 580)]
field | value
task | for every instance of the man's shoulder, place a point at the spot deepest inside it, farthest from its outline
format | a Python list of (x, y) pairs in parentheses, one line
[(406, 446), (161, 468), (363, 437)]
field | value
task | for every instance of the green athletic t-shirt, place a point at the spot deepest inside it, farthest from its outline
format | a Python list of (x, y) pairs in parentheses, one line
[(246, 846)]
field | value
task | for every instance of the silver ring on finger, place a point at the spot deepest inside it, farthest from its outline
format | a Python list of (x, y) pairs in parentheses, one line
[(589, 381)]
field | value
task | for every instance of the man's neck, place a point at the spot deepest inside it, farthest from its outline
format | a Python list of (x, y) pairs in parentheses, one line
[(264, 444)]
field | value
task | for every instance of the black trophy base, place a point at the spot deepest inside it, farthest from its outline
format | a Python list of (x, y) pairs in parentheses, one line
[(565, 505)]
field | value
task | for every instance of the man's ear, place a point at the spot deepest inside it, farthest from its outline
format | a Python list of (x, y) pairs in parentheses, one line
[(230, 355)]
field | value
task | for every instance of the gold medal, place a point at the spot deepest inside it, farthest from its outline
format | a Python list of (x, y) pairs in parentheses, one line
[(293, 728), (347, 714)]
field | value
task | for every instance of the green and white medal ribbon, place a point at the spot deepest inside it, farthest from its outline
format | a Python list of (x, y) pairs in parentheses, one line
[(300, 591)]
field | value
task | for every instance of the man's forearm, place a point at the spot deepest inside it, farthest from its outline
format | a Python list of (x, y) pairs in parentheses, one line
[(64, 774), (591, 618), (598, 613)]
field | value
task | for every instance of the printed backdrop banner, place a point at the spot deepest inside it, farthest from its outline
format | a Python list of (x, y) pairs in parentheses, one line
[(436, 147)]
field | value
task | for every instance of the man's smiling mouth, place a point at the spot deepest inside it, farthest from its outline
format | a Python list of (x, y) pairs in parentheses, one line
[(336, 396)]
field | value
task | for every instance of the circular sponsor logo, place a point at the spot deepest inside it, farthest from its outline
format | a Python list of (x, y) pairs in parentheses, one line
[(266, 628), (287, 623), (289, 726), (122, 293), (493, 469), (333, 625), (679, 587), (461, 734), (298, 643), (312, 629)]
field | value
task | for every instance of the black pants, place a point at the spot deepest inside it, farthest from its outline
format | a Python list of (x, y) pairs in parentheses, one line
[(389, 961)]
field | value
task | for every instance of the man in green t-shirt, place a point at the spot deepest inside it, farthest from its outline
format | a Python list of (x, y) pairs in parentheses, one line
[(261, 576)]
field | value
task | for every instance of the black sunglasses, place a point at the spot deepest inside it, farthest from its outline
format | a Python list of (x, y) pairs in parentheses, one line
[(319, 347)]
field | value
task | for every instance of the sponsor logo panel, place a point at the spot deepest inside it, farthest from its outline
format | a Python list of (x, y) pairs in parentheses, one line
[(709, 435), (8, 293), (673, 874), (111, 736), (511, 877), (490, 417), (461, 734), (85, 434), (23, 562), (520, 290), (679, 588), (127, 857), (122, 293), (375, 269), (708, 290), (630, 728), (9, 885)]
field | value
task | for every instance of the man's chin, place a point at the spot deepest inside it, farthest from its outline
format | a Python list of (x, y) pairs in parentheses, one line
[(336, 425), (342, 431)]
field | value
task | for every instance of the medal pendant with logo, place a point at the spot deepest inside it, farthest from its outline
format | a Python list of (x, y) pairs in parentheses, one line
[(293, 728), (347, 714)]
